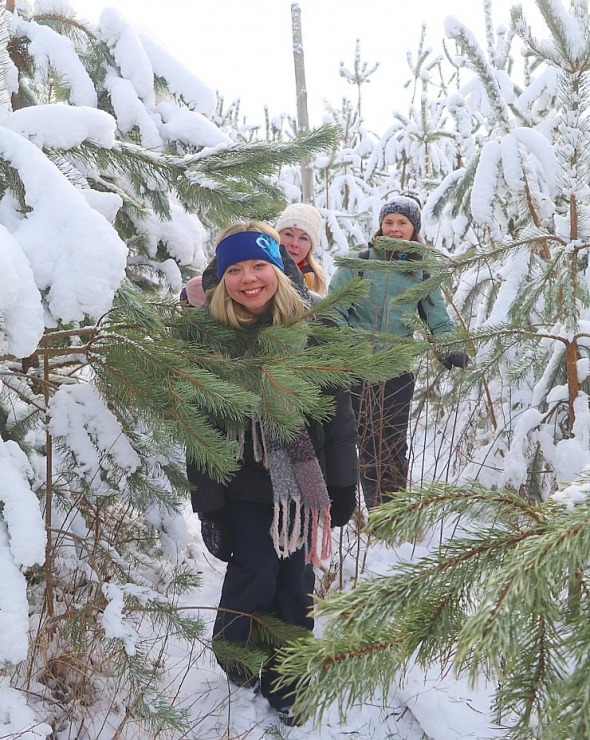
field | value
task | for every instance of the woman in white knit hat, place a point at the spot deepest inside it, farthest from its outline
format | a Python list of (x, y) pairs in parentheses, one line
[(299, 227)]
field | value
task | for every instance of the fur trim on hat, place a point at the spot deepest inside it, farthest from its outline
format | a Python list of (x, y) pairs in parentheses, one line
[(407, 207), (302, 216)]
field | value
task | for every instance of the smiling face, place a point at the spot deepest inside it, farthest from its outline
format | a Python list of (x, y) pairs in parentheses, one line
[(397, 226), (252, 284), (297, 243)]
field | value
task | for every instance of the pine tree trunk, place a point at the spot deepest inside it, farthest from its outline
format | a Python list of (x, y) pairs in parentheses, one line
[(301, 91)]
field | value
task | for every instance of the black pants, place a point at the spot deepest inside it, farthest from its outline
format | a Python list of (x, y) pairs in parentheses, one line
[(382, 411), (257, 581)]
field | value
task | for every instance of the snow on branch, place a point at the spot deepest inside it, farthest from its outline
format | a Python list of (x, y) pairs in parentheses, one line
[(51, 49), (8, 70), (568, 30), (125, 45), (189, 127), (483, 195), (180, 80), (131, 112), (115, 625), (18, 719), (74, 252), (544, 152), (22, 545), (14, 609), (495, 85), (93, 435), (512, 163), (21, 310), (62, 126), (20, 510)]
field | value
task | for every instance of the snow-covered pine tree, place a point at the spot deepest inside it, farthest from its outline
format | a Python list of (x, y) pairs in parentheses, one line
[(349, 198), (420, 147), (519, 201), (107, 152)]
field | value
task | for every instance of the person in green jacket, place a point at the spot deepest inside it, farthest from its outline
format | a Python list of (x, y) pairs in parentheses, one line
[(383, 409)]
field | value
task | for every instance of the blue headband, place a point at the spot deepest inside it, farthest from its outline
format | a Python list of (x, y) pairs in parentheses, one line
[(247, 245)]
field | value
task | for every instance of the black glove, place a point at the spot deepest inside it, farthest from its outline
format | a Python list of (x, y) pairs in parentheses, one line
[(216, 533), (456, 359), (342, 504)]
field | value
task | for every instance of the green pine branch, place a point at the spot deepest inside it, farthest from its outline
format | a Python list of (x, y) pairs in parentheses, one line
[(489, 600)]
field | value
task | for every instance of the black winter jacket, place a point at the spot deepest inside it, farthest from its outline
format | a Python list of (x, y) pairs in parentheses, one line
[(334, 441)]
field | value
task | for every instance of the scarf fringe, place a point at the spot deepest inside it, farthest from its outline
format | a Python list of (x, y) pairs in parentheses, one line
[(320, 540), (308, 528), (286, 530), (301, 516), (259, 444)]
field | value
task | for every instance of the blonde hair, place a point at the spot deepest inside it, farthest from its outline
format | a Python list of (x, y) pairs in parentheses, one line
[(318, 282), (286, 302)]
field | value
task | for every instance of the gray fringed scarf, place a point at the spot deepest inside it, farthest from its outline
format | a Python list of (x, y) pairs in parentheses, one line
[(301, 501)]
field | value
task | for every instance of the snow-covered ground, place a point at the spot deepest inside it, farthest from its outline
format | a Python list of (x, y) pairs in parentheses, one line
[(427, 706)]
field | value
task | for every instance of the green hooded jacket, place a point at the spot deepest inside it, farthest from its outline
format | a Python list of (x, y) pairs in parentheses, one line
[(377, 312)]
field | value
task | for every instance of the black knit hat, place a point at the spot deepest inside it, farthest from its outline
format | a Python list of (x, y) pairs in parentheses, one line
[(405, 205)]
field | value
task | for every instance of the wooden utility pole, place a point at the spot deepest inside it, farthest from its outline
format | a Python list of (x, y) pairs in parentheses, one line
[(301, 90)]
